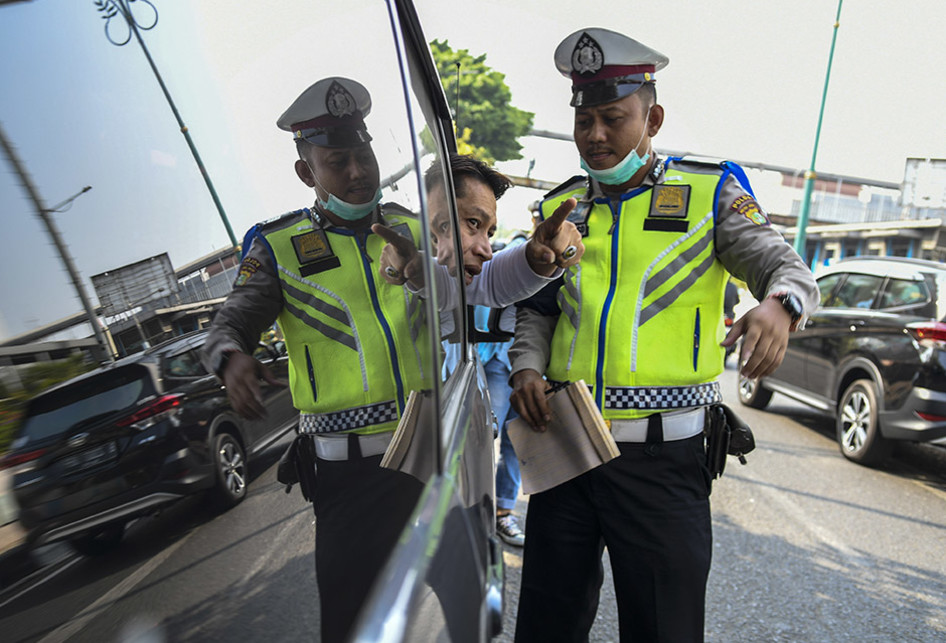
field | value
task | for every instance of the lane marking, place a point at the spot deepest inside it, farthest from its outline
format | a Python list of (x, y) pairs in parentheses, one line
[(69, 562), (74, 625)]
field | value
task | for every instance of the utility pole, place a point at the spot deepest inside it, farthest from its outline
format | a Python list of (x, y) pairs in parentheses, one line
[(44, 214), (112, 8), (810, 175)]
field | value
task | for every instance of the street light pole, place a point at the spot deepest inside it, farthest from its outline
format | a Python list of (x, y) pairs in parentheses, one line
[(810, 175), (44, 214), (111, 8)]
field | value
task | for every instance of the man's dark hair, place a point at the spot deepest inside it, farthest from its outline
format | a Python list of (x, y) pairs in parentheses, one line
[(463, 168), (648, 93)]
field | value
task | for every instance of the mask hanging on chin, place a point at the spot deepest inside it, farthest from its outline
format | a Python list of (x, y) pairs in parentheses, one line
[(625, 168), (346, 210)]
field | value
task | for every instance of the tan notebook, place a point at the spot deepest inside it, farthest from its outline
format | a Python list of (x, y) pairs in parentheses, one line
[(577, 440), (411, 451)]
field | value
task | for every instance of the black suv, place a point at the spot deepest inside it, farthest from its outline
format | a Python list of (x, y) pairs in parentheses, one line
[(127, 438), (873, 355)]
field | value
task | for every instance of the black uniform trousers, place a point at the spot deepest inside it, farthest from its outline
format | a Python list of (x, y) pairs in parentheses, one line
[(650, 507), (361, 510)]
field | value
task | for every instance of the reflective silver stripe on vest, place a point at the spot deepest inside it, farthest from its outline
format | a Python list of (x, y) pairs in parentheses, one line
[(341, 302), (678, 264), (358, 417), (325, 329), (415, 315), (574, 315), (661, 397), (642, 315)]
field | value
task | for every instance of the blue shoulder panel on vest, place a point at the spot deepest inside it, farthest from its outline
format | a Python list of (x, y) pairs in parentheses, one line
[(740, 175), (256, 232)]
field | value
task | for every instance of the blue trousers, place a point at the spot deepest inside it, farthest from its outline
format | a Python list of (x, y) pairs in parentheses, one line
[(507, 468)]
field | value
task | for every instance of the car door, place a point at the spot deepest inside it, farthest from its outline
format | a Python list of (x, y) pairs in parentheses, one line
[(839, 329), (443, 582)]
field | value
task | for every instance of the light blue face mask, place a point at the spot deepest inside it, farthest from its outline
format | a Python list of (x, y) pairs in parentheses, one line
[(625, 168), (346, 210)]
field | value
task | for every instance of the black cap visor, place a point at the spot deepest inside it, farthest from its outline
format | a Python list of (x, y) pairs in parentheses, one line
[(605, 91), (335, 136)]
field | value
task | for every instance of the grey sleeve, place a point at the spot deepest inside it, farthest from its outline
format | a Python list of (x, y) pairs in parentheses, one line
[(755, 252), (250, 308), (531, 346), (506, 279)]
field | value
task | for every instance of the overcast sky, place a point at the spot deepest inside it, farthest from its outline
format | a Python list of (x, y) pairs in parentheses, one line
[(744, 82)]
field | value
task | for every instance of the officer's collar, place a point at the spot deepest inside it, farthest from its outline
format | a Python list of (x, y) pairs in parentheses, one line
[(322, 221)]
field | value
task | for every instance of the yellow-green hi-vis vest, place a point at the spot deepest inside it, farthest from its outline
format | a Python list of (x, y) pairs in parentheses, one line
[(642, 313), (351, 337)]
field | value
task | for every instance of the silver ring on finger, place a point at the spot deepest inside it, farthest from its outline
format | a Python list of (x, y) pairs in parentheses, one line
[(569, 252), (392, 272)]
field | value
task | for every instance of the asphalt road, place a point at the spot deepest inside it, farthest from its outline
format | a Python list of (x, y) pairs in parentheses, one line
[(807, 547)]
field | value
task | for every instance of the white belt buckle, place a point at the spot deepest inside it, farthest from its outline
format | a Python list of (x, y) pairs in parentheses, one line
[(676, 426), (335, 447)]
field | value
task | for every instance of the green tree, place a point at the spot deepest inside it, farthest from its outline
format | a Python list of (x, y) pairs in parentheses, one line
[(488, 124)]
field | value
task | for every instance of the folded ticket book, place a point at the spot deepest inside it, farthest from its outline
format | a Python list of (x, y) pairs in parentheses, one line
[(577, 440)]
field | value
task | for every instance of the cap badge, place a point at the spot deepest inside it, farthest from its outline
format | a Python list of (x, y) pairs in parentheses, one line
[(587, 57), (338, 101)]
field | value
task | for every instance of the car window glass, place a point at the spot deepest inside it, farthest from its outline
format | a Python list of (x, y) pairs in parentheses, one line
[(903, 292), (93, 397), (826, 285), (857, 291), (185, 365)]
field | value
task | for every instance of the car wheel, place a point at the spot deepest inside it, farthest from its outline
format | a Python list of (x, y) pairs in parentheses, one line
[(230, 469), (97, 543), (858, 429)]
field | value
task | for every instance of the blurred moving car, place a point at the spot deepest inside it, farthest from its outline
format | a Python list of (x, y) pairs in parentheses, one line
[(125, 439), (873, 355)]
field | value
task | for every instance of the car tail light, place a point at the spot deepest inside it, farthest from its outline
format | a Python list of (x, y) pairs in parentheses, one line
[(934, 331), (929, 417), (16, 459), (155, 411)]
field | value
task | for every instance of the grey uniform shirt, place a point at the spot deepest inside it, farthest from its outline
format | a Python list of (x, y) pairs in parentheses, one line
[(757, 254)]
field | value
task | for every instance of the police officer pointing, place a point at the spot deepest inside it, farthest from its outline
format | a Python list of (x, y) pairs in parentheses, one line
[(640, 320)]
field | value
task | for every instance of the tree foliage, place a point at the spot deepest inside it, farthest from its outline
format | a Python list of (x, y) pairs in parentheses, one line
[(488, 125)]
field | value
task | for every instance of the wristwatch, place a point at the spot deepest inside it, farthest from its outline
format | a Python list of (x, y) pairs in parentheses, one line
[(792, 305)]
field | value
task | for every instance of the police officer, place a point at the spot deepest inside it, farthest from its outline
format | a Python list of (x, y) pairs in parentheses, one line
[(351, 358), (640, 320)]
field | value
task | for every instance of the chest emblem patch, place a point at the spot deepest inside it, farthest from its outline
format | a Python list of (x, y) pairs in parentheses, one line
[(314, 252), (668, 209)]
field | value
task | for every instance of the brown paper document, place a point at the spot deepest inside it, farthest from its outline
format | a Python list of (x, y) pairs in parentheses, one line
[(412, 449), (577, 440)]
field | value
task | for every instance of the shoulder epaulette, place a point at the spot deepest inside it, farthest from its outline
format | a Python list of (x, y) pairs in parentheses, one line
[(701, 161), (397, 209), (571, 184), (282, 220)]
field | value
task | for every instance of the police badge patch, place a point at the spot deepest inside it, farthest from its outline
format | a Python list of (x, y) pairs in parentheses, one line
[(338, 101), (587, 56), (747, 207), (248, 268)]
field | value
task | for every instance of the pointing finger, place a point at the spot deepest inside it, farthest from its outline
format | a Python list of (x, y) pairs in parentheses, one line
[(404, 246), (551, 225)]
